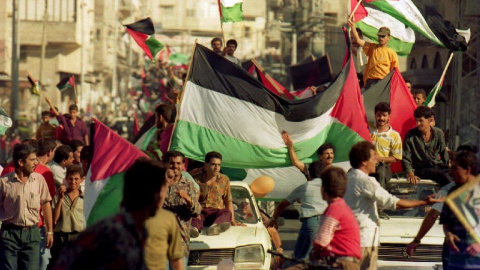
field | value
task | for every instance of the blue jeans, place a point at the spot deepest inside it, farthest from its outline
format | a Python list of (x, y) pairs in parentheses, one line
[(44, 251), (19, 248), (304, 243)]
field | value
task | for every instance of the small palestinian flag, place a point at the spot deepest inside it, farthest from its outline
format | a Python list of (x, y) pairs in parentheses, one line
[(430, 101), (34, 85), (5, 121), (230, 10), (112, 155), (66, 83), (143, 33)]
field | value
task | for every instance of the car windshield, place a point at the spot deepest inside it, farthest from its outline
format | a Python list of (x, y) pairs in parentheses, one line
[(407, 191), (243, 205)]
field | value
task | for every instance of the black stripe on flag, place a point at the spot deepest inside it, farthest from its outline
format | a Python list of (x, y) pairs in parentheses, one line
[(210, 70), (144, 26)]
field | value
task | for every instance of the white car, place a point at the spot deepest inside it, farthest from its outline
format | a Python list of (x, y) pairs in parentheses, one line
[(401, 226), (246, 245)]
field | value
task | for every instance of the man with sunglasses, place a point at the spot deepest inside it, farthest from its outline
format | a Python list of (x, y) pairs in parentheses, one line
[(381, 59)]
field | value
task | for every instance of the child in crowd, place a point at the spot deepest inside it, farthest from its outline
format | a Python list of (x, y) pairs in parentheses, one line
[(419, 95), (68, 211)]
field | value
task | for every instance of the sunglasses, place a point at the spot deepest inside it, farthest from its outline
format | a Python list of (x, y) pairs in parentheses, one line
[(379, 36)]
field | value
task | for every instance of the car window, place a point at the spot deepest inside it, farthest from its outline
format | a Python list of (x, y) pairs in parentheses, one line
[(243, 205), (407, 191)]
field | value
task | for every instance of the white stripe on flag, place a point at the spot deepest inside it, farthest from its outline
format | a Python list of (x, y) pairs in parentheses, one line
[(377, 19), (230, 3), (257, 126)]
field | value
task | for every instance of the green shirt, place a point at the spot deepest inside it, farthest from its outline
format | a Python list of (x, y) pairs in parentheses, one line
[(418, 155)]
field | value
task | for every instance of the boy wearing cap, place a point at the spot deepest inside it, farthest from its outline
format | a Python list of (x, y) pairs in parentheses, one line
[(381, 59)]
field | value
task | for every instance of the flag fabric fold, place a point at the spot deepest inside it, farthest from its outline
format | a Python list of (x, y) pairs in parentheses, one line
[(311, 73), (111, 157), (424, 19), (143, 33), (230, 10)]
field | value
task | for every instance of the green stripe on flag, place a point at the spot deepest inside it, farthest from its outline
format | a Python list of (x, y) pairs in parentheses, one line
[(232, 14), (189, 139), (109, 199), (154, 45), (430, 101), (402, 48)]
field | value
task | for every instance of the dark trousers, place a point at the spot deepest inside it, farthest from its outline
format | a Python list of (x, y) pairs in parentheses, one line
[(438, 175), (19, 248), (383, 174), (59, 241), (210, 216)]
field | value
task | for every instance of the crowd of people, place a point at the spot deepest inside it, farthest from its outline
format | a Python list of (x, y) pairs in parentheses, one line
[(164, 206)]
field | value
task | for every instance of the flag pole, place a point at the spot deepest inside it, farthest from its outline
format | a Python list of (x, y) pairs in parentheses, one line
[(182, 94), (354, 10), (75, 93), (435, 91)]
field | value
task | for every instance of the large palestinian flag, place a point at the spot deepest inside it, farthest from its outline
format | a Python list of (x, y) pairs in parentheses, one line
[(143, 33), (424, 19), (111, 157), (369, 19), (225, 109)]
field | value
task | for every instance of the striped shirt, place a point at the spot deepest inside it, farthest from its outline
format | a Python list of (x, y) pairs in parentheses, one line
[(388, 143), (339, 233), (19, 203)]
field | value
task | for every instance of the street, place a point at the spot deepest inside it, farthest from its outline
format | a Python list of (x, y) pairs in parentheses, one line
[(289, 233)]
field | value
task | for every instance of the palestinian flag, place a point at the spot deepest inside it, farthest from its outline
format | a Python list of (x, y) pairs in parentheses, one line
[(225, 109), (66, 83), (230, 10), (34, 84), (269, 82), (5, 121), (424, 19), (430, 101), (369, 19), (463, 202), (143, 33), (111, 157), (393, 90)]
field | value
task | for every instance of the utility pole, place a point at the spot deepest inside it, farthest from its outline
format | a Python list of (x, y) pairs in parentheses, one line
[(15, 68), (115, 55), (42, 57), (81, 94)]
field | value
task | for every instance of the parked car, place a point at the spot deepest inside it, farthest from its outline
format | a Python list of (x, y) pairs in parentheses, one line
[(246, 245), (399, 228)]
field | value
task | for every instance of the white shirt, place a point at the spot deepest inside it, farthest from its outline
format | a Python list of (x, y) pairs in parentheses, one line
[(362, 195), (233, 59), (310, 195), (59, 173)]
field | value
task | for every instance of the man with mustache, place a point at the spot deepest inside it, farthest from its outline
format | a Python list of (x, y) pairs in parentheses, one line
[(388, 143), (325, 153)]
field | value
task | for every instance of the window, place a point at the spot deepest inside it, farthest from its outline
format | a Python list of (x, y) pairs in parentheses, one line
[(425, 62), (57, 10), (437, 64), (413, 64)]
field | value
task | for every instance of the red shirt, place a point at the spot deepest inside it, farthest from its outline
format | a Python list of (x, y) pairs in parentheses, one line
[(45, 172), (338, 232)]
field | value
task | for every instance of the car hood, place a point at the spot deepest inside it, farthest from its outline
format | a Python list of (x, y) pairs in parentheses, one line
[(233, 237), (403, 230)]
